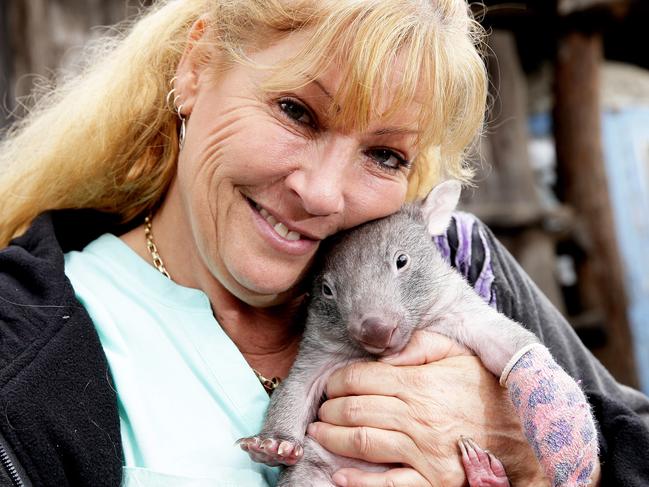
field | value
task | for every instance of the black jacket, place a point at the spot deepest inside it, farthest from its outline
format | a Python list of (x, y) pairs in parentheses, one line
[(59, 423)]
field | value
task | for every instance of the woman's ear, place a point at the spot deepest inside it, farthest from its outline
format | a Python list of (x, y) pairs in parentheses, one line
[(189, 70), (439, 204)]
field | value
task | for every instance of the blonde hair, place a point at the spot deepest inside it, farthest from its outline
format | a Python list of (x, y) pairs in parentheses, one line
[(107, 140)]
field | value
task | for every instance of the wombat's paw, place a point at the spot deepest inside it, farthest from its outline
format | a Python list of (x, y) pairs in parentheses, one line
[(482, 468), (272, 451)]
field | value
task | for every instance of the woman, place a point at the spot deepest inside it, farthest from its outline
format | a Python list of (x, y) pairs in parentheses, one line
[(221, 142)]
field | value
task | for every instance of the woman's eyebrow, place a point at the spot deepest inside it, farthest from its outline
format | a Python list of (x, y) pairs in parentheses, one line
[(396, 131), (383, 131), (323, 89)]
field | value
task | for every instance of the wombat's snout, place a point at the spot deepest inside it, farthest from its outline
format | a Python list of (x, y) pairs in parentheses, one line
[(374, 334)]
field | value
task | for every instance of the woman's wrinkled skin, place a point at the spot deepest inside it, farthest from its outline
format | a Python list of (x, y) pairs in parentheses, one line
[(246, 147)]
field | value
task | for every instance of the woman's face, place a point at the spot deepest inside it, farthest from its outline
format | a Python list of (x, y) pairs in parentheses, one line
[(263, 177)]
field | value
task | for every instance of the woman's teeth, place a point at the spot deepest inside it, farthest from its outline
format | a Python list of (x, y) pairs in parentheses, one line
[(279, 227)]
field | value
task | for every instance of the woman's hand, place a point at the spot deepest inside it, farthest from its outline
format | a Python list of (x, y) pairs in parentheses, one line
[(413, 415)]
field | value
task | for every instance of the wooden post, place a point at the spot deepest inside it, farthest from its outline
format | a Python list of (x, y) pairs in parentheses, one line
[(507, 199), (507, 194), (582, 177), (6, 97), (47, 35)]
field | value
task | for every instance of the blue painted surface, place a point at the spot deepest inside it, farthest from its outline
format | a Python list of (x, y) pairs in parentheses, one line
[(626, 152), (540, 125)]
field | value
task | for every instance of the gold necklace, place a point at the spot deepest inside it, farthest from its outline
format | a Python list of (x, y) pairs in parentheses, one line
[(269, 384), (153, 250)]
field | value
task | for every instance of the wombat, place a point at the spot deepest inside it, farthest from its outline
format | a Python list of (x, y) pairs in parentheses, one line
[(374, 286)]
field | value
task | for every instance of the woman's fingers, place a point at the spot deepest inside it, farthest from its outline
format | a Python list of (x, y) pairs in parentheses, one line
[(426, 347), (413, 415), (396, 477), (364, 443), (364, 378), (383, 412), (381, 378), (382, 446)]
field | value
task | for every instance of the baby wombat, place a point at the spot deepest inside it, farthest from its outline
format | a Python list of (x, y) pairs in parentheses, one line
[(375, 285)]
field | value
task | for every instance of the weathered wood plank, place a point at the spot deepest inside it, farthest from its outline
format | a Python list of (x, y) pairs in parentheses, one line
[(507, 183), (47, 35), (507, 196), (583, 182)]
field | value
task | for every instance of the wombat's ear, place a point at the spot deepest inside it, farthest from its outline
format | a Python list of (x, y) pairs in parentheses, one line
[(439, 204)]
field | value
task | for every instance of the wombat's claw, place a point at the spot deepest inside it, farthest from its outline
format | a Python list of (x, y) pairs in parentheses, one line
[(271, 451), (245, 443), (482, 468)]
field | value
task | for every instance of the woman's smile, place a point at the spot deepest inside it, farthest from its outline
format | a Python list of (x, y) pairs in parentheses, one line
[(281, 234)]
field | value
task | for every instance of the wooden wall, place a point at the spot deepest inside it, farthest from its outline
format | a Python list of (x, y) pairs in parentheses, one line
[(39, 37)]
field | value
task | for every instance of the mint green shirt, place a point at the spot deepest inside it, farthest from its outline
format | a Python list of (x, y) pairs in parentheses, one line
[(185, 392)]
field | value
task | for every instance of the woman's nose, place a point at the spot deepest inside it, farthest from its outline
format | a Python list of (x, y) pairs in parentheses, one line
[(320, 181)]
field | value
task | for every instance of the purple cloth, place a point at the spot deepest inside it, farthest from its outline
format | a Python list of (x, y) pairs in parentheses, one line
[(464, 246)]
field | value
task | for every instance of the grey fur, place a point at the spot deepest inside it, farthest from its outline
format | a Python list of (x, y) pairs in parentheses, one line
[(359, 267)]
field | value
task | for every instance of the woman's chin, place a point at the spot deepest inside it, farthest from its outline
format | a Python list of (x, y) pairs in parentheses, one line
[(267, 300), (261, 293)]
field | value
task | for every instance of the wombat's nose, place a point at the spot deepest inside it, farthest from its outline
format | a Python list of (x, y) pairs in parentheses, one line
[(376, 333)]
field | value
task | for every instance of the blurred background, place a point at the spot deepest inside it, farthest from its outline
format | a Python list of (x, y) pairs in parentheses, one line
[(564, 162)]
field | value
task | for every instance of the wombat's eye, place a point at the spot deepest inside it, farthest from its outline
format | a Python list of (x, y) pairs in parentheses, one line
[(402, 261), (327, 292)]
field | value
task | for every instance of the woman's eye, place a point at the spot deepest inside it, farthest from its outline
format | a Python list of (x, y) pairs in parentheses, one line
[(387, 158), (297, 112)]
